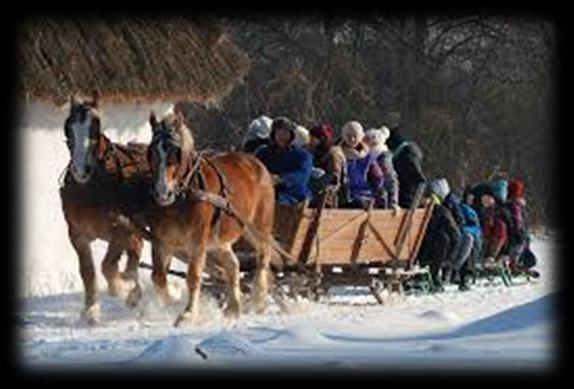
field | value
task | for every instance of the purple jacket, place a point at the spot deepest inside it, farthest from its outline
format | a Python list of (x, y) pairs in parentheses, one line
[(365, 178)]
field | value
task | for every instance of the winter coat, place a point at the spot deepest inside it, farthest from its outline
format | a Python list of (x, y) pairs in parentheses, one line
[(390, 179), (365, 179), (333, 164), (494, 231), (453, 203), (407, 161), (252, 145), (441, 222), (471, 221), (478, 191), (294, 166), (517, 230)]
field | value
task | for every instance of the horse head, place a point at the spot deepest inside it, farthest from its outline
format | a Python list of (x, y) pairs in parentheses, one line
[(83, 136), (169, 156)]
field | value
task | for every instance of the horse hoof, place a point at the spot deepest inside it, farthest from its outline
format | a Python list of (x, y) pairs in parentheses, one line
[(260, 306), (92, 315), (185, 319), (169, 295), (232, 311), (134, 297)]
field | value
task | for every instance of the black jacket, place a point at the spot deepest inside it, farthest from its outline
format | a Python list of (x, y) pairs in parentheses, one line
[(407, 161), (441, 222)]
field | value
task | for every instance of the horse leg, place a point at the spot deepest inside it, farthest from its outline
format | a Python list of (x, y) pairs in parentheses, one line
[(230, 263), (91, 310), (263, 220), (161, 260), (193, 280), (261, 284), (131, 272), (110, 268)]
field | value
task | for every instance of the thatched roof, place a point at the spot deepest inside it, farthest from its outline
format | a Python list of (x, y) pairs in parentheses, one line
[(128, 59)]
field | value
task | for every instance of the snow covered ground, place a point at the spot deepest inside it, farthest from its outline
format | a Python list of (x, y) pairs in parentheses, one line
[(489, 327)]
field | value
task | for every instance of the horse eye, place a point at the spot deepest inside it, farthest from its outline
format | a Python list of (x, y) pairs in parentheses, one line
[(173, 157)]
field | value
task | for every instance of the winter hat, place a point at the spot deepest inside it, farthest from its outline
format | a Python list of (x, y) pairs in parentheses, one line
[(500, 189), (516, 189), (324, 132), (301, 136), (440, 187), (260, 127), (282, 122), (353, 128), (377, 139)]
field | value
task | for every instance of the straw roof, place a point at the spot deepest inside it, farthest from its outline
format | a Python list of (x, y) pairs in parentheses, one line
[(128, 59)]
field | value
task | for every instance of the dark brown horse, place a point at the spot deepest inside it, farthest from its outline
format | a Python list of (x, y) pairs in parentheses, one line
[(104, 190), (188, 224)]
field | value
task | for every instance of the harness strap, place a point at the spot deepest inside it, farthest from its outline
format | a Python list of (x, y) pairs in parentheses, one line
[(222, 204)]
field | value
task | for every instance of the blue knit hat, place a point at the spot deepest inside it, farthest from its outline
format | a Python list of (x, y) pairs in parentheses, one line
[(500, 189)]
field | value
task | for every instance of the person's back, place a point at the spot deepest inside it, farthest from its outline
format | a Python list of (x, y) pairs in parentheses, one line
[(518, 237), (407, 161), (453, 203), (442, 236)]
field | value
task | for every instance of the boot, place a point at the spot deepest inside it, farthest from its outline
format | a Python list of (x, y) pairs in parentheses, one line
[(437, 284), (463, 284), (447, 275)]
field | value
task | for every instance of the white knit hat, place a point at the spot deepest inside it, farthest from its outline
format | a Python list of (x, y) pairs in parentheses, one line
[(260, 127), (440, 187), (353, 128), (378, 138), (301, 136)]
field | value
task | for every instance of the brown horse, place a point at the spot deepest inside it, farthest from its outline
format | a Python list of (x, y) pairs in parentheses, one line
[(104, 187), (188, 222)]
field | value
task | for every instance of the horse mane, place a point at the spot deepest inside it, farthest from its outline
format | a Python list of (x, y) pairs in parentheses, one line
[(187, 141)]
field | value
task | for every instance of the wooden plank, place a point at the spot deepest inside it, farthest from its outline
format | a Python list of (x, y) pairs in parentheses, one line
[(303, 256), (421, 232), (361, 235), (409, 218), (388, 249), (329, 254)]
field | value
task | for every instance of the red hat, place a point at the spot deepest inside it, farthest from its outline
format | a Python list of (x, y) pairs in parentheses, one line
[(516, 189), (323, 132)]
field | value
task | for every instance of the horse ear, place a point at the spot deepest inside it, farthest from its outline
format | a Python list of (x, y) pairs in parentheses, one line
[(74, 100), (178, 122), (153, 121), (96, 98)]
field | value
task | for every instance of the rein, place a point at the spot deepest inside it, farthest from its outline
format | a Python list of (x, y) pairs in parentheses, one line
[(221, 201)]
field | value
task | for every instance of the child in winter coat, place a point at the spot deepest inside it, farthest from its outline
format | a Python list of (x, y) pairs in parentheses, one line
[(365, 178), (459, 261), (329, 170), (518, 238), (376, 139), (494, 227), (442, 235)]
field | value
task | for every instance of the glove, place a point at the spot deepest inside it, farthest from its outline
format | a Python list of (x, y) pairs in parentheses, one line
[(317, 173)]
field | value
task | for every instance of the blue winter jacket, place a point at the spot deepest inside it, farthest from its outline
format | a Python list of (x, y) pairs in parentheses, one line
[(471, 221), (294, 166), (361, 184), (465, 216)]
